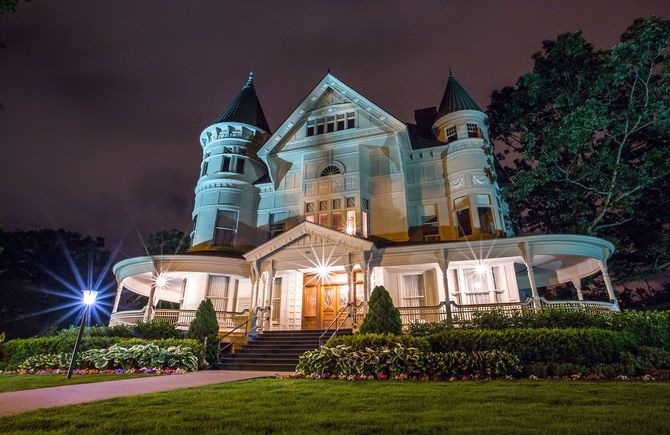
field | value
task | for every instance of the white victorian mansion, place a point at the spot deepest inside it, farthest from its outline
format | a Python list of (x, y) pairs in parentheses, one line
[(302, 223)]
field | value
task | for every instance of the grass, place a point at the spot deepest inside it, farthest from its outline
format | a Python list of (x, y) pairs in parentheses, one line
[(29, 382), (314, 406)]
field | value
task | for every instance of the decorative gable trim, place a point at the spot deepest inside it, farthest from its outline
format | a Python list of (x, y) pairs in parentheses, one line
[(306, 229)]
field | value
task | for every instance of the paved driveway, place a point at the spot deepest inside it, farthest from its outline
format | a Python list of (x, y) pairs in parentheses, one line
[(28, 400)]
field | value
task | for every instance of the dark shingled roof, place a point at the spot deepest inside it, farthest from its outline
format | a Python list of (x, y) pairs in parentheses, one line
[(246, 108), (455, 98)]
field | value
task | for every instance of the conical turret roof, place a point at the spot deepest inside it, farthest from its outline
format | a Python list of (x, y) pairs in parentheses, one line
[(455, 98), (246, 108)]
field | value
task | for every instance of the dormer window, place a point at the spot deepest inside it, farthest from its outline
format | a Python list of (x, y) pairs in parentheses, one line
[(473, 130), (331, 123), (451, 134), (330, 170)]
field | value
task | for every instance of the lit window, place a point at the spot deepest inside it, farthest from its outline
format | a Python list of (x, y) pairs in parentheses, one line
[(275, 311), (473, 130), (412, 291), (310, 218), (323, 219), (338, 222), (217, 292), (451, 134), (225, 227), (330, 170), (351, 222), (364, 223)]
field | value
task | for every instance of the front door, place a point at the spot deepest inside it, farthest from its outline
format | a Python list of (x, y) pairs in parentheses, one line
[(321, 303)]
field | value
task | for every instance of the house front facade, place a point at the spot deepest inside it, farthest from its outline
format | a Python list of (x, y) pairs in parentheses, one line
[(301, 224)]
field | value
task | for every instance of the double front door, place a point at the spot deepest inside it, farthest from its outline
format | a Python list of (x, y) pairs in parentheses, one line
[(321, 303)]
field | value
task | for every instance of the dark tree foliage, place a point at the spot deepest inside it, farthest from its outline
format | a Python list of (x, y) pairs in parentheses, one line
[(585, 141), (382, 317), (205, 325), (167, 242), (33, 273)]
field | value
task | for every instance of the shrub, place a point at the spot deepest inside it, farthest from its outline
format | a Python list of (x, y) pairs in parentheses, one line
[(135, 357), (375, 341), (423, 329), (205, 325), (382, 317), (157, 328), (579, 346), (14, 352), (406, 361)]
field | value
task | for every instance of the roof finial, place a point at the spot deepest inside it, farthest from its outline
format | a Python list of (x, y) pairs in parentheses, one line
[(250, 80), (451, 73)]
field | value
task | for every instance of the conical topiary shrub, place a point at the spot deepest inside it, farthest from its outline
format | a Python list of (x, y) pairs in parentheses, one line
[(383, 317), (205, 325)]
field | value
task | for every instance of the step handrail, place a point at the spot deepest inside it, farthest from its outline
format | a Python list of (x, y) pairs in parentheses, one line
[(337, 325), (255, 326)]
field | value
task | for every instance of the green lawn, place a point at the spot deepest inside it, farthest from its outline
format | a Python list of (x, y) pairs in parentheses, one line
[(29, 382), (309, 406)]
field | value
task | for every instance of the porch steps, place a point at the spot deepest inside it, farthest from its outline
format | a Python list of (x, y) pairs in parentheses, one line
[(273, 351)]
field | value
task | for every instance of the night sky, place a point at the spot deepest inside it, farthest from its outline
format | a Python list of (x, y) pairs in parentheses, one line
[(105, 100)]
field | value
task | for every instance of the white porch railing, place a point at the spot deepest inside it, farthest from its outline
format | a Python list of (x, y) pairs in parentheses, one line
[(227, 319), (585, 305)]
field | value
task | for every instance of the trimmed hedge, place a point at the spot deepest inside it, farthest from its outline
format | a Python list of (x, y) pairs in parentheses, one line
[(374, 341), (14, 352), (400, 361), (578, 346)]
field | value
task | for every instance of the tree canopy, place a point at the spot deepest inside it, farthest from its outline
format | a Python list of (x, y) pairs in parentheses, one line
[(168, 242), (584, 142)]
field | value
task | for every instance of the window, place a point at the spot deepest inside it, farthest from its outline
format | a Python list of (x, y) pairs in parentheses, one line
[(323, 205), (351, 222), (228, 150), (323, 219), (430, 226), (451, 134), (309, 207), (225, 164), (464, 224), (482, 198), (276, 300), (486, 222), (330, 123), (412, 291), (330, 170), (338, 221), (364, 223), (337, 204), (351, 202), (277, 224), (473, 130), (224, 230), (310, 218), (217, 292), (366, 204), (239, 166), (204, 169)]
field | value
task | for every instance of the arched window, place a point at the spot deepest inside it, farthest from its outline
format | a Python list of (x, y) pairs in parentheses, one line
[(330, 170)]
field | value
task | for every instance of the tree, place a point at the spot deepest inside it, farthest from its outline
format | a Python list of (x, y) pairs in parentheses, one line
[(168, 242), (38, 286), (382, 317), (205, 325), (586, 146)]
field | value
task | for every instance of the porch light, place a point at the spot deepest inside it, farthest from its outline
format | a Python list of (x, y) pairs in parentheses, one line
[(481, 269), (350, 229), (161, 280), (322, 271)]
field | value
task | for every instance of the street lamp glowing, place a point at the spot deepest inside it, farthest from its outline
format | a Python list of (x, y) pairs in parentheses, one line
[(90, 296)]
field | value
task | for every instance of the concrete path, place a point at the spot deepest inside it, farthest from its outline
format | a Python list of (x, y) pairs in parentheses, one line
[(28, 400)]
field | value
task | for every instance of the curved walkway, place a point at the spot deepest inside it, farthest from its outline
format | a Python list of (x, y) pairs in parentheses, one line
[(27, 400)]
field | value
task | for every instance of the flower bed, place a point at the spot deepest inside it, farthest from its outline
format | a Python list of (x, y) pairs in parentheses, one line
[(167, 371)]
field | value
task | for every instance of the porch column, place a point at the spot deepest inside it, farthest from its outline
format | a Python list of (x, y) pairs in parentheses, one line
[(271, 286), (148, 313), (444, 271), (367, 257), (528, 259), (577, 282), (117, 299), (608, 283)]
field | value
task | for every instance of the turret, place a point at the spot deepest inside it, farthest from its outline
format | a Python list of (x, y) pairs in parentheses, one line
[(225, 197), (477, 210)]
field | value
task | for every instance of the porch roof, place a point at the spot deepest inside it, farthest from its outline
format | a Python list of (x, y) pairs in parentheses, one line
[(306, 229)]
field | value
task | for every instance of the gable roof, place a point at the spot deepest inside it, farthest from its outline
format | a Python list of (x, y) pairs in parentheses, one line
[(301, 231), (246, 108), (313, 99), (455, 98)]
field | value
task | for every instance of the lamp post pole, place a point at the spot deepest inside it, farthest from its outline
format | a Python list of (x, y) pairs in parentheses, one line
[(76, 343), (88, 299)]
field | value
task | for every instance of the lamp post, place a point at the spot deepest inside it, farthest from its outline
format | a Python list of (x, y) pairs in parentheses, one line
[(88, 299)]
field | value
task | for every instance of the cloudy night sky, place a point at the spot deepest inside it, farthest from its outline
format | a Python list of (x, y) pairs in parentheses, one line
[(104, 100)]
